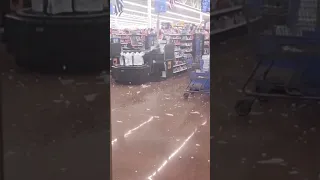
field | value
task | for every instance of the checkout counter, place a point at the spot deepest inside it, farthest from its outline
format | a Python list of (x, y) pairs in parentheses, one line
[(157, 66)]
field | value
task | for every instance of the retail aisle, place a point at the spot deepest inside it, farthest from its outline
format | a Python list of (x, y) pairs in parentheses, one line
[(55, 127), (158, 135)]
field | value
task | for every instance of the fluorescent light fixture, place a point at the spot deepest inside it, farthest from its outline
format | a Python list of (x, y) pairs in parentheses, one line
[(181, 15), (127, 21), (188, 6), (162, 16), (131, 19), (176, 14), (178, 5), (175, 19), (192, 10), (141, 18), (135, 4)]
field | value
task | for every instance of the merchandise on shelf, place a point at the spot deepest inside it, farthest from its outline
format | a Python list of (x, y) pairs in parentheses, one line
[(180, 35), (131, 58), (130, 39), (183, 49)]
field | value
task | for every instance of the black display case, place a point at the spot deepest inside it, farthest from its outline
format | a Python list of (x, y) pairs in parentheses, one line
[(131, 74), (74, 39), (115, 51)]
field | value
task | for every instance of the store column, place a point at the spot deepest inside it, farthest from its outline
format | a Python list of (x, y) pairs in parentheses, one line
[(149, 14)]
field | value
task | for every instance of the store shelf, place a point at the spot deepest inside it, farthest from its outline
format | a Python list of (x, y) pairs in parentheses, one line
[(180, 70), (179, 64), (226, 10), (217, 31)]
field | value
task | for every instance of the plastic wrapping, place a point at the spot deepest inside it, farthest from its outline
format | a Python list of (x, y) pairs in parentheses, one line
[(89, 5), (59, 6)]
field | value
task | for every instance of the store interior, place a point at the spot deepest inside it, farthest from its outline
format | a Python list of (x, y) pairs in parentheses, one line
[(143, 51), (160, 70), (53, 120)]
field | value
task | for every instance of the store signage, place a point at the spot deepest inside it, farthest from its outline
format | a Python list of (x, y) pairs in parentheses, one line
[(160, 6), (205, 6), (111, 9)]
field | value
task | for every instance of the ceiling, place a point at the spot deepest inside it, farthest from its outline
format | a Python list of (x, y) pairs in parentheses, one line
[(135, 11)]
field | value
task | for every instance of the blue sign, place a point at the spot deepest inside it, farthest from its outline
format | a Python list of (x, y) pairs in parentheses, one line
[(111, 9), (160, 6), (205, 6)]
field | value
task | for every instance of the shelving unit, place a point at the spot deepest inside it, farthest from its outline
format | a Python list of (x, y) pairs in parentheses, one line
[(183, 50), (234, 26), (224, 20), (226, 10), (136, 39)]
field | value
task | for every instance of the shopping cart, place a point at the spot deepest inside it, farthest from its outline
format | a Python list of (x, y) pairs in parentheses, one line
[(199, 79), (288, 38)]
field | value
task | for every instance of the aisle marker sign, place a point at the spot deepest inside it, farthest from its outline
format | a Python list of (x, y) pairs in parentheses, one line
[(160, 6), (205, 6)]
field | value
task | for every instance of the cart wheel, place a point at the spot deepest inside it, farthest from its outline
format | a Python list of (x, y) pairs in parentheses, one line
[(186, 95), (243, 107)]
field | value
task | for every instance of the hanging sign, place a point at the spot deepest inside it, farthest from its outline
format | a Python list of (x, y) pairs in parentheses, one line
[(205, 6), (160, 6), (111, 9)]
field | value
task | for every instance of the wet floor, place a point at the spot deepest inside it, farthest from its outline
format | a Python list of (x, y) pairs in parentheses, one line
[(159, 135), (55, 127)]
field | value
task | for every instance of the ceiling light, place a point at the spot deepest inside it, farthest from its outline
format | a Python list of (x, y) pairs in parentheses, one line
[(134, 17), (176, 14), (162, 16), (192, 10)]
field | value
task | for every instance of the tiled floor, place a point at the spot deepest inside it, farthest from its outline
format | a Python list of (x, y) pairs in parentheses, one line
[(159, 135), (155, 132)]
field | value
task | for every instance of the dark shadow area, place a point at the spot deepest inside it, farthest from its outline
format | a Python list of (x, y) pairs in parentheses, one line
[(277, 140), (55, 124)]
